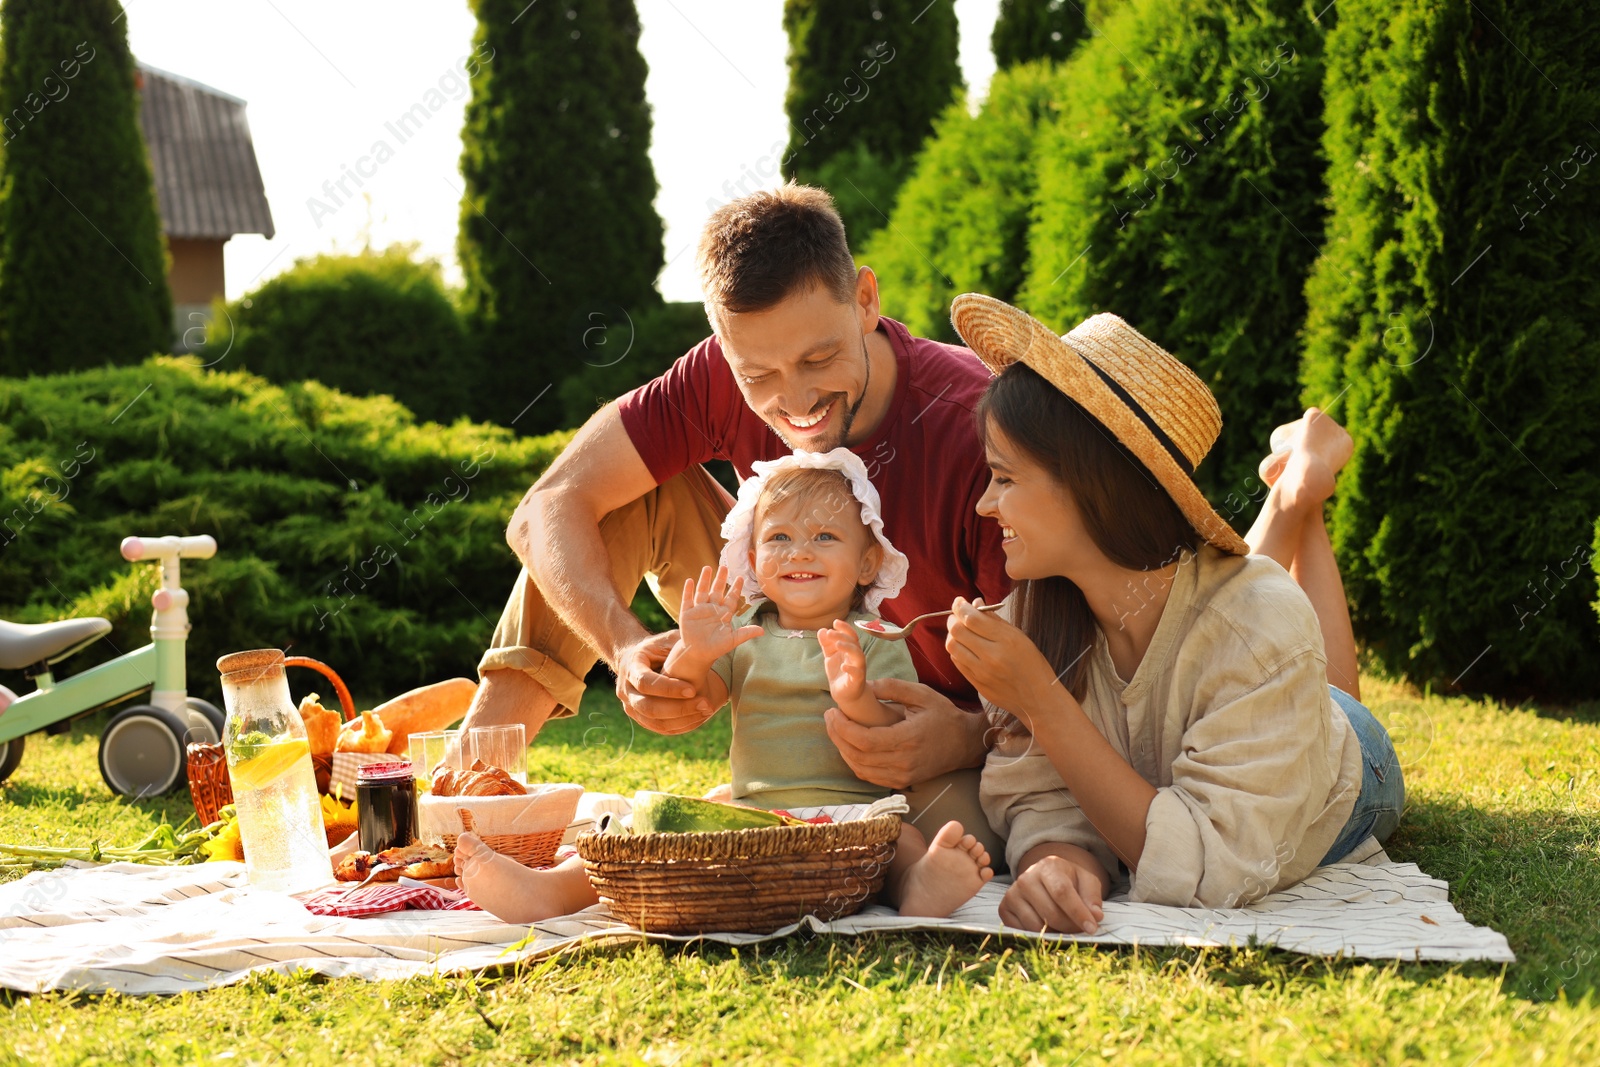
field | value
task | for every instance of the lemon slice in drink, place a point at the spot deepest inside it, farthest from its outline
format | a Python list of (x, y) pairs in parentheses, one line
[(271, 762)]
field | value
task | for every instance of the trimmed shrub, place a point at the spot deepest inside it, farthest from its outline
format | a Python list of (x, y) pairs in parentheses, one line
[(1454, 308), (864, 185), (376, 322), (961, 222), (558, 220), (866, 83), (620, 356), (345, 529), (83, 272), (1182, 189), (1026, 30)]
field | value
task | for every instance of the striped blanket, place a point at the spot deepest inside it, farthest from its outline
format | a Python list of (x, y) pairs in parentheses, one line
[(140, 929)]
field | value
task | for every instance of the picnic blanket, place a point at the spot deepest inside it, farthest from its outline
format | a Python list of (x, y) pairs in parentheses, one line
[(138, 929)]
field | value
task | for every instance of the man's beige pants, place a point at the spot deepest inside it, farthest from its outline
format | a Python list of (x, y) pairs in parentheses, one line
[(666, 537)]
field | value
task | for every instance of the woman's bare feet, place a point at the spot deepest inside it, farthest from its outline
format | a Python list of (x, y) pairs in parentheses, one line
[(516, 894), (955, 867), (1308, 455)]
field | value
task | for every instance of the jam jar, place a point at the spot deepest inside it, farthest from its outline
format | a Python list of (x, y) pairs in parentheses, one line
[(386, 800)]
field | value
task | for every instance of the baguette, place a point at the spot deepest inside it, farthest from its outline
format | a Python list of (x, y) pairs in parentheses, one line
[(430, 707)]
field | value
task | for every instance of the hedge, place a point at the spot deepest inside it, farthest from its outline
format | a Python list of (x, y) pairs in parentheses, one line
[(346, 530), (620, 355), (961, 222), (375, 322), (1182, 189), (1454, 307)]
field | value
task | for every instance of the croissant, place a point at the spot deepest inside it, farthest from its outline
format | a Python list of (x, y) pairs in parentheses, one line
[(480, 780)]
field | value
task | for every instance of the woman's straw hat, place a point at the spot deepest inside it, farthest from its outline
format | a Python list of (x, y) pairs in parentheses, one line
[(1154, 405)]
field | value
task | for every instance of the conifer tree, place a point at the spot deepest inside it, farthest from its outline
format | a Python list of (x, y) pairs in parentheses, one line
[(1184, 192), (83, 272), (1453, 309), (960, 224), (1037, 29), (560, 241), (867, 80)]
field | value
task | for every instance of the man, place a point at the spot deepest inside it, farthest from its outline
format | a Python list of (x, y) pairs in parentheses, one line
[(801, 358)]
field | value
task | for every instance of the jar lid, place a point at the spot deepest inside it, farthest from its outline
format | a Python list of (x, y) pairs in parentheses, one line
[(254, 666), (396, 771)]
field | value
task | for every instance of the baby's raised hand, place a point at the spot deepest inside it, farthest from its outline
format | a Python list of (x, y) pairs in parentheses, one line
[(844, 661), (705, 619)]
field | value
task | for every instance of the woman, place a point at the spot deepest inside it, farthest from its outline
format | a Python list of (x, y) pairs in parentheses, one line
[(1166, 694)]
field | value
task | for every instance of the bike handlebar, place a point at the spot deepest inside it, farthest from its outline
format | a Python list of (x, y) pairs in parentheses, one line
[(135, 549)]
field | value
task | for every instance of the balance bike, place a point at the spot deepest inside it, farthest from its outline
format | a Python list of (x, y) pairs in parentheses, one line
[(143, 748)]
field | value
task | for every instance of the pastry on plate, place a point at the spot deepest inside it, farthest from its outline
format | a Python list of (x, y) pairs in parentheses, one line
[(411, 861)]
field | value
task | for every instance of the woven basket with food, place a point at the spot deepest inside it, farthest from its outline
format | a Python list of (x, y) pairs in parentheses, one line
[(526, 823), (691, 866)]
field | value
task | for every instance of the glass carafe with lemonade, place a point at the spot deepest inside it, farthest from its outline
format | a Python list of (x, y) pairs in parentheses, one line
[(274, 786)]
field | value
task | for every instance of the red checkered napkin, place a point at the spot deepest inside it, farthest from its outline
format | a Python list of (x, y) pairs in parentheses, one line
[(381, 898)]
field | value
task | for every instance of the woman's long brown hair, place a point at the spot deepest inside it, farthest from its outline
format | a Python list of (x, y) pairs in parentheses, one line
[(1131, 518)]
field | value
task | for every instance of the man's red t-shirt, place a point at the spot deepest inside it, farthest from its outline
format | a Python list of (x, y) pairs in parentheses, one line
[(925, 460)]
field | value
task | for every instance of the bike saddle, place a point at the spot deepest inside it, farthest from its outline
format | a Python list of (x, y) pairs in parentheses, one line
[(22, 646)]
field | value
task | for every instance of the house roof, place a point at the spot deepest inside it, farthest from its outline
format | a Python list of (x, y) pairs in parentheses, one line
[(207, 180)]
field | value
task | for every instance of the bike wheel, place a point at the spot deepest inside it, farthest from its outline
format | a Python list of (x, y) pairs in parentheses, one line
[(142, 751), (10, 756), (211, 713)]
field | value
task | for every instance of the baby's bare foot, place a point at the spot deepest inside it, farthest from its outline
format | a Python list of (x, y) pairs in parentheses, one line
[(498, 884), (722, 793), (955, 867)]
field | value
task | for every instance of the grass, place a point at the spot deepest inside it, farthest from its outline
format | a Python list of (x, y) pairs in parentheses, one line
[(1504, 804)]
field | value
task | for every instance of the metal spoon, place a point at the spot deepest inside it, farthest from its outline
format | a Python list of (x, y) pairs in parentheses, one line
[(377, 869), (891, 632)]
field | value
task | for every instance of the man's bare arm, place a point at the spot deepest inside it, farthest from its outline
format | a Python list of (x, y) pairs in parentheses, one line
[(555, 532)]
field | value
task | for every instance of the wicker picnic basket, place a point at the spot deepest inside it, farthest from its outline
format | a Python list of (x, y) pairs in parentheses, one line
[(535, 850), (209, 785), (749, 881)]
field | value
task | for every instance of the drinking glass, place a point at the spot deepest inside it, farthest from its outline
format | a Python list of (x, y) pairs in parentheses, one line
[(505, 747), (434, 750)]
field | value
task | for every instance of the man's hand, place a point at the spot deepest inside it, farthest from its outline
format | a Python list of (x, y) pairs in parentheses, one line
[(653, 700), (935, 737)]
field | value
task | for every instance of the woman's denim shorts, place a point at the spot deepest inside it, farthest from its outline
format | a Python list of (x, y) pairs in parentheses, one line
[(1383, 787)]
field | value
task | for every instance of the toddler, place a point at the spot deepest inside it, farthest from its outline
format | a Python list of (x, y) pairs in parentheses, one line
[(806, 540)]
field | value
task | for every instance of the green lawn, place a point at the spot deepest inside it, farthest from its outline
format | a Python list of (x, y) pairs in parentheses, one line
[(1505, 804)]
